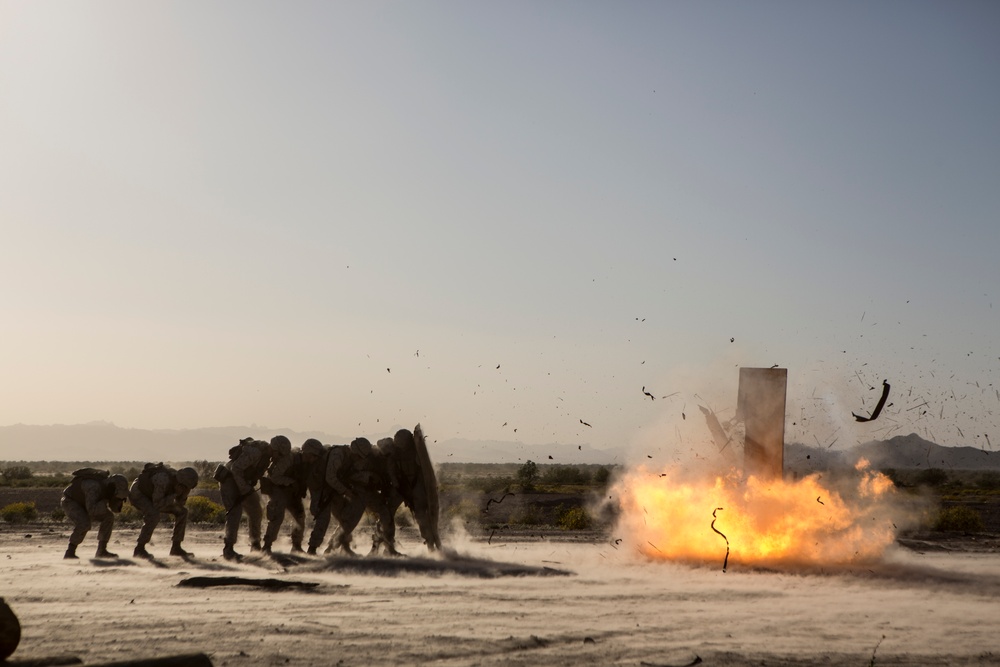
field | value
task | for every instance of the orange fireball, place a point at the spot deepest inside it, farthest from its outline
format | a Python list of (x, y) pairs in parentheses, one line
[(764, 522)]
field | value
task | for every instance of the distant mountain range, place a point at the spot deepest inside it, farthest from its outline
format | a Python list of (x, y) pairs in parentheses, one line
[(902, 452), (101, 441)]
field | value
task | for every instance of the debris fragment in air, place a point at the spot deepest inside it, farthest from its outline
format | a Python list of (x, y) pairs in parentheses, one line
[(878, 407)]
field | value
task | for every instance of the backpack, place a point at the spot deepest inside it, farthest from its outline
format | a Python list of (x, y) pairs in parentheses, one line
[(236, 450), (91, 473), (75, 490), (144, 481)]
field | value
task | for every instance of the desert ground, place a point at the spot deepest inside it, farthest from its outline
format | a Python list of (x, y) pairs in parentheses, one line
[(507, 601)]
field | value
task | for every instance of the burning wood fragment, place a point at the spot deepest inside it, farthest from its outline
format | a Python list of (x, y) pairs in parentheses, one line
[(725, 563), (878, 407)]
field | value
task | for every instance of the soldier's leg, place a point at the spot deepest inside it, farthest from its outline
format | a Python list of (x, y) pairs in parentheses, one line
[(321, 522), (107, 519), (81, 524), (348, 514), (234, 512), (180, 513), (275, 512), (385, 524), (150, 519), (255, 515), (298, 512)]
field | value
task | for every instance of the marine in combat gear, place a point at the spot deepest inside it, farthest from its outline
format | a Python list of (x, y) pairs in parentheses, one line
[(158, 490), (342, 481), (285, 487), (93, 495), (237, 479)]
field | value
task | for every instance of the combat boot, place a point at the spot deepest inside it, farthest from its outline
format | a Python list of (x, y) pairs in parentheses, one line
[(229, 553), (255, 545), (177, 550), (297, 547), (71, 552), (312, 550), (267, 546), (140, 552), (102, 551)]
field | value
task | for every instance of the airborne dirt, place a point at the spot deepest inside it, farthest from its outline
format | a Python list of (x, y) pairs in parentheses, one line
[(506, 603)]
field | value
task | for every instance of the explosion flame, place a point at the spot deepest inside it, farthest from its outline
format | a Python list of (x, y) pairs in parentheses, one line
[(760, 522)]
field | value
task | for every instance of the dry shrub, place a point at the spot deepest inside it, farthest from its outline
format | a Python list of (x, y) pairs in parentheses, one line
[(575, 518), (959, 519), (129, 514), (203, 510), (19, 512)]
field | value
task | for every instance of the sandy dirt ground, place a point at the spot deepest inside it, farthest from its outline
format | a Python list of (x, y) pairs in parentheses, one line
[(526, 602)]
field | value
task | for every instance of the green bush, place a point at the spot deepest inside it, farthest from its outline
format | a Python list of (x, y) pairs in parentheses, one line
[(129, 514), (989, 480), (527, 475), (575, 518), (560, 475), (959, 519), (19, 512), (16, 472), (203, 510), (58, 514)]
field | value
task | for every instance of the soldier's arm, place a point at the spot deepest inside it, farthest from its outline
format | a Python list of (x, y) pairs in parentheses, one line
[(245, 462), (279, 472), (179, 498), (161, 489), (338, 459), (93, 495)]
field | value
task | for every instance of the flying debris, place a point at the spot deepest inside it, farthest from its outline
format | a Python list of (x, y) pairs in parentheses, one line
[(651, 397), (494, 500), (878, 407), (725, 563), (585, 423)]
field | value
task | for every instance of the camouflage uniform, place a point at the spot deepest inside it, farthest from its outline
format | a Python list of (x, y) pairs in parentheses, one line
[(284, 485), (237, 480), (160, 489), (93, 495), (336, 483)]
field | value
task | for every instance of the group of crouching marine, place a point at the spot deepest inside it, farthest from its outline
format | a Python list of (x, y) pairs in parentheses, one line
[(341, 481)]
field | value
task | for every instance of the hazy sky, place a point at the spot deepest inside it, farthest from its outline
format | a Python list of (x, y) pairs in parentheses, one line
[(489, 216)]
